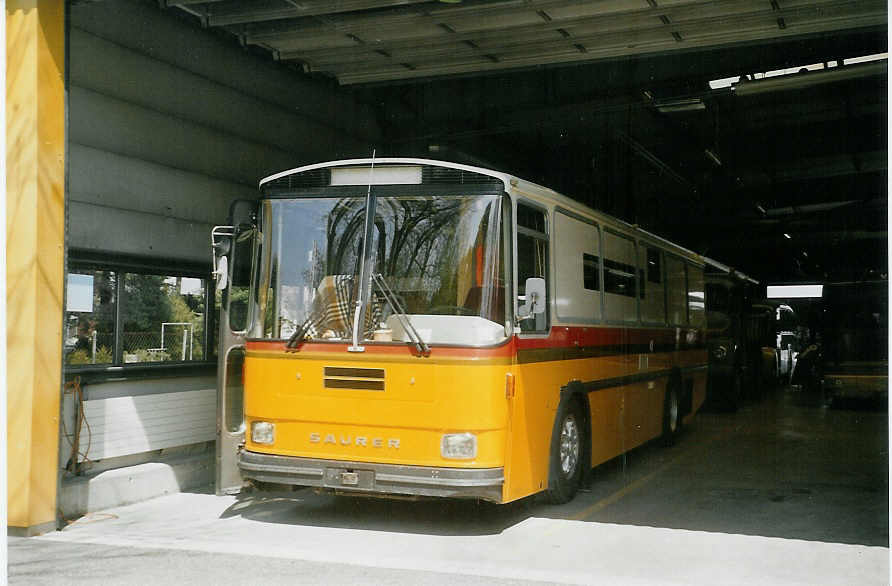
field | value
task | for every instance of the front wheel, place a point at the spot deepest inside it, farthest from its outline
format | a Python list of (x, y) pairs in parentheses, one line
[(566, 459)]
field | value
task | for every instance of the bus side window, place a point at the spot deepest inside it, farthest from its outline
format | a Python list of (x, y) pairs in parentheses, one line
[(696, 297), (532, 260), (676, 291), (620, 278), (653, 302)]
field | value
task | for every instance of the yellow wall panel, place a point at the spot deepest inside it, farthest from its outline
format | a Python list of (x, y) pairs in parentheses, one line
[(35, 150)]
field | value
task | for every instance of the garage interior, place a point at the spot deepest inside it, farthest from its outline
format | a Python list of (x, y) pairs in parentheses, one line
[(612, 104), (754, 133)]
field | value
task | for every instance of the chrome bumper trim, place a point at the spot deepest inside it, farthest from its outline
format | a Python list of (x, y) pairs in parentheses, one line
[(482, 483)]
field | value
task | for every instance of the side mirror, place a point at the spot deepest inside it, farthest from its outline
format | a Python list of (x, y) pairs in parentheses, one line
[(221, 272), (221, 243), (534, 298)]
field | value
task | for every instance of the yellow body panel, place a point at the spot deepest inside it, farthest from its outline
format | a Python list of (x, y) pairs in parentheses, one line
[(857, 384), (421, 401), (423, 398)]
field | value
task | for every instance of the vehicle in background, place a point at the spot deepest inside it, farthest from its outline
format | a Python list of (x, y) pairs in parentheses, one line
[(787, 341), (741, 360), (855, 338), (806, 375), (761, 321), (781, 339)]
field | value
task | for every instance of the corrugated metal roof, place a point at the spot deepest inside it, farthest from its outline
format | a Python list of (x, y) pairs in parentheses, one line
[(358, 41)]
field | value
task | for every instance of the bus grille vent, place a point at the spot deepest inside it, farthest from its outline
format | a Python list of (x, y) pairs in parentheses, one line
[(360, 379), (430, 175), (433, 174), (308, 179)]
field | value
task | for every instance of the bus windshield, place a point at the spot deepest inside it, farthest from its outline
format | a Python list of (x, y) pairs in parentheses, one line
[(440, 257)]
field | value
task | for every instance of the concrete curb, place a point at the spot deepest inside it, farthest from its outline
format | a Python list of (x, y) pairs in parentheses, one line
[(123, 486)]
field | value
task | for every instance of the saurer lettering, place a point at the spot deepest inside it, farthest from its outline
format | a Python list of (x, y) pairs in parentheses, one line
[(347, 440)]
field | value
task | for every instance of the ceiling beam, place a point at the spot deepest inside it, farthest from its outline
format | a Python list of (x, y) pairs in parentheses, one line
[(376, 40), (404, 38), (475, 17), (235, 12), (181, 3), (553, 53), (810, 79)]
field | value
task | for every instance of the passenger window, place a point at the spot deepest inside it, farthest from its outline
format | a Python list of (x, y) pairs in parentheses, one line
[(653, 301), (590, 269), (696, 297), (532, 261), (654, 272), (619, 278)]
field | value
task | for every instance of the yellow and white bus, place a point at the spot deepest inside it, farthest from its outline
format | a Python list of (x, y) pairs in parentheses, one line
[(418, 327)]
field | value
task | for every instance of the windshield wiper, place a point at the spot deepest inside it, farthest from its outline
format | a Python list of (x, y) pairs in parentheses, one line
[(300, 333), (401, 315)]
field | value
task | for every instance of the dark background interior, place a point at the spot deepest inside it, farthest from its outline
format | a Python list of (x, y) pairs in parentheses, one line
[(727, 179)]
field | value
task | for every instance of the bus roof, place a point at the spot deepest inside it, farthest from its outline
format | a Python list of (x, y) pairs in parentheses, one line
[(504, 177), (510, 181)]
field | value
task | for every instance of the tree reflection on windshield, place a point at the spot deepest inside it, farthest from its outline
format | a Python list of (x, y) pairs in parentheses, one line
[(441, 255)]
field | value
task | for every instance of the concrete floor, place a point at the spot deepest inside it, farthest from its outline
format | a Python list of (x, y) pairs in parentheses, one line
[(783, 492)]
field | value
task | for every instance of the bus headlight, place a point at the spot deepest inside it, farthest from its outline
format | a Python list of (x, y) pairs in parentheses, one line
[(263, 432), (459, 446)]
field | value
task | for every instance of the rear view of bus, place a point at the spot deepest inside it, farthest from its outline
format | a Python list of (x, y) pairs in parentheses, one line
[(370, 304), (855, 337)]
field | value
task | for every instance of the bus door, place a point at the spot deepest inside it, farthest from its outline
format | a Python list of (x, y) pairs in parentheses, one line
[(234, 248)]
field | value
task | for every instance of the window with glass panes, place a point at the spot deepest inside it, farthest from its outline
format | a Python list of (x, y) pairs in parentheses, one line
[(119, 317)]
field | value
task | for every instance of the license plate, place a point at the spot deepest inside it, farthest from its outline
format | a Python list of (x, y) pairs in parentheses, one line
[(347, 478)]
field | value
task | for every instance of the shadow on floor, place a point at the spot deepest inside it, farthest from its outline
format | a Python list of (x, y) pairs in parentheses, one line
[(423, 516), (786, 467)]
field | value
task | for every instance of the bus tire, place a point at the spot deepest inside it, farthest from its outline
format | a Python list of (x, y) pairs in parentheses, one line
[(567, 451), (672, 413), (735, 392)]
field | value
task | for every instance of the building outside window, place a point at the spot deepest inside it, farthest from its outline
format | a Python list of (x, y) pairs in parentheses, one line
[(118, 318), (90, 317)]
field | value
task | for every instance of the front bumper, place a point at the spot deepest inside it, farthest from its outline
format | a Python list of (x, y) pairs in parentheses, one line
[(373, 478)]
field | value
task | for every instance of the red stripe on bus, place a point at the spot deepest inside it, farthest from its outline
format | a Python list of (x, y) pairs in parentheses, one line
[(571, 336), (558, 337), (389, 349)]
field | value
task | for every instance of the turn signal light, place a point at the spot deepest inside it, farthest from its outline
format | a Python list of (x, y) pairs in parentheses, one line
[(263, 432), (459, 446)]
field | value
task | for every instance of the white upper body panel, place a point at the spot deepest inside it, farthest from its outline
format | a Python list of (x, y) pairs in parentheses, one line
[(583, 231)]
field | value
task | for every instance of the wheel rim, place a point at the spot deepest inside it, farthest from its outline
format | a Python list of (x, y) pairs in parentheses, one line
[(569, 445), (673, 411)]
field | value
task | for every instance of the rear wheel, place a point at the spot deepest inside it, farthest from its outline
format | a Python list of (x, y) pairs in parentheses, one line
[(566, 458), (671, 414), (735, 392)]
